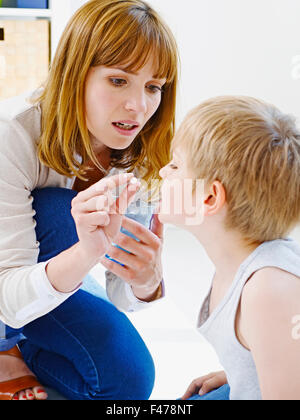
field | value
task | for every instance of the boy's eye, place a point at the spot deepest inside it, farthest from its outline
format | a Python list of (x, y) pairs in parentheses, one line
[(117, 82), (172, 166)]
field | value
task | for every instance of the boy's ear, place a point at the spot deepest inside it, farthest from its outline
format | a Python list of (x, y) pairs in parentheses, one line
[(215, 199)]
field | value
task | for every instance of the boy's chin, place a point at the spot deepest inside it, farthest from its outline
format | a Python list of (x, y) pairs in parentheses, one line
[(162, 218), (170, 219)]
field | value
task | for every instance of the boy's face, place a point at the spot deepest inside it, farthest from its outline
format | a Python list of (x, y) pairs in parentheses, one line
[(180, 205)]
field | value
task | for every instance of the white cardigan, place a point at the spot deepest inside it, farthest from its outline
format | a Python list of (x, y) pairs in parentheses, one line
[(25, 291)]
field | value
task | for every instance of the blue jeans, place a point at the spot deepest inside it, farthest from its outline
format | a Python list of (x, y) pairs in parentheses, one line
[(220, 394), (86, 348)]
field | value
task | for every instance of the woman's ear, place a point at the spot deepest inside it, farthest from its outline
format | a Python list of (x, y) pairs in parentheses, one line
[(215, 199)]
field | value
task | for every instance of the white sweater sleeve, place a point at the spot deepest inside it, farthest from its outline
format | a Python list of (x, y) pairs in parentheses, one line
[(25, 291), (121, 295)]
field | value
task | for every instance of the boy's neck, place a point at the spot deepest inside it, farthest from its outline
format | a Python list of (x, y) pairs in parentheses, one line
[(227, 251)]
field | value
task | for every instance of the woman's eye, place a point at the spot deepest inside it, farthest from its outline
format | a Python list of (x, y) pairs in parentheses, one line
[(173, 166), (117, 82), (155, 89)]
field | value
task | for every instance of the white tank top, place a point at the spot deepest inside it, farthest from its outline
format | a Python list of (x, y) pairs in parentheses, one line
[(219, 328)]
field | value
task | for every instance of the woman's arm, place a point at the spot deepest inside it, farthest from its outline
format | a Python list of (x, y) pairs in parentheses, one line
[(270, 302), (25, 291)]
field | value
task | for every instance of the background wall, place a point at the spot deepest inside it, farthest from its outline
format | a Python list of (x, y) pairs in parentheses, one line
[(248, 47)]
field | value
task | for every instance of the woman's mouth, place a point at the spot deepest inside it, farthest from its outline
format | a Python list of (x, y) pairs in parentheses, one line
[(127, 128)]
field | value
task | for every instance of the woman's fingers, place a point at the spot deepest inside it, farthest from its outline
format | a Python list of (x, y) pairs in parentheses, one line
[(141, 232), (94, 220), (106, 201), (131, 245), (127, 196), (98, 203), (122, 272), (117, 211), (106, 184)]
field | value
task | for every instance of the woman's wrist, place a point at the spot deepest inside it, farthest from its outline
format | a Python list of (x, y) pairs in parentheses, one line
[(67, 270), (147, 294), (83, 255)]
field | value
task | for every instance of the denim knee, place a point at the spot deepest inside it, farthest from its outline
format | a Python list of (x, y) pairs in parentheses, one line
[(140, 375), (129, 372), (133, 380)]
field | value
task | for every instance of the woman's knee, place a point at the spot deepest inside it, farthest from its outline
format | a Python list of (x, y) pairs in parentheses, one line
[(55, 227), (125, 369), (104, 347), (122, 362), (138, 373)]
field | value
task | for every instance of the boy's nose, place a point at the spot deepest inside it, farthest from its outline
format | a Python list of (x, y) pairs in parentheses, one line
[(162, 172)]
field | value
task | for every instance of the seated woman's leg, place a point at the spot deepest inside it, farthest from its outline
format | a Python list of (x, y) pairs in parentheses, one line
[(55, 226), (88, 350), (85, 348)]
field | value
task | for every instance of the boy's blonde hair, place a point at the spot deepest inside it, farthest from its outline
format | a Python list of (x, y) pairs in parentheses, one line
[(253, 149)]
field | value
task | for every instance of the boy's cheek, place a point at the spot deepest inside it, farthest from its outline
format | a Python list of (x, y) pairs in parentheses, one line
[(179, 206), (165, 204), (171, 205)]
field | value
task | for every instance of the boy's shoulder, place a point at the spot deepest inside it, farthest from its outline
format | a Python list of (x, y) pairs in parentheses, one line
[(270, 283), (269, 292), (269, 303)]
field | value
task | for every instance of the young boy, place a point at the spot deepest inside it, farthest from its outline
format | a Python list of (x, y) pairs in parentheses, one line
[(245, 156)]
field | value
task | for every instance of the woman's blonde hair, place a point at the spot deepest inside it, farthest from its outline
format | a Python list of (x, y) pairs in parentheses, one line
[(107, 32), (253, 149)]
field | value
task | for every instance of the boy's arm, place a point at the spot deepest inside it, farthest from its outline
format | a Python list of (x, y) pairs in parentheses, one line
[(269, 307)]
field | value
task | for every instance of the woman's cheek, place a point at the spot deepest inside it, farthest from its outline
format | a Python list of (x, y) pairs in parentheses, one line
[(153, 107)]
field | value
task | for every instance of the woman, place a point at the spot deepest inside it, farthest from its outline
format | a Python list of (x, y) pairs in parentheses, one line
[(108, 105)]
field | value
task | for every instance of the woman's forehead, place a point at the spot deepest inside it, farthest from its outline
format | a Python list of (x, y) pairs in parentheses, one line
[(149, 68), (139, 61), (143, 57)]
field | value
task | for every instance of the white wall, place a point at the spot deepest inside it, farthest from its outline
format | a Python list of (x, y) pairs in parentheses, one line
[(248, 47)]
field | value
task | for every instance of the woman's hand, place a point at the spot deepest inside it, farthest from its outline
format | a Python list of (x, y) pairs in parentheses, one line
[(98, 216), (142, 266), (205, 384)]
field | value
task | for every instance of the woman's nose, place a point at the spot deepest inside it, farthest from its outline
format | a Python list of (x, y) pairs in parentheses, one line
[(137, 103)]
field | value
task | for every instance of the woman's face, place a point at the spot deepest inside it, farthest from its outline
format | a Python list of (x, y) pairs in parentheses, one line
[(118, 104)]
